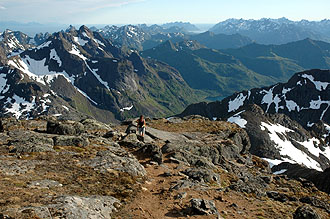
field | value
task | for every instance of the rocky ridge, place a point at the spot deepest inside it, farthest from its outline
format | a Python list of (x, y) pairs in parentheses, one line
[(284, 126), (184, 167)]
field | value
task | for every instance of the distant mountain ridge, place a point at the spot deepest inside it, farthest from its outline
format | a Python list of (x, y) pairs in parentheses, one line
[(305, 98), (275, 31), (232, 70)]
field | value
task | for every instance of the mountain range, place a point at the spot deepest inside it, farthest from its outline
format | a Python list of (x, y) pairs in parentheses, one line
[(81, 71), (286, 122), (223, 72), (143, 37), (264, 109), (275, 31)]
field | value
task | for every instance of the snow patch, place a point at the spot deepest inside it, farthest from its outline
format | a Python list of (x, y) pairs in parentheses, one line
[(287, 149), (53, 55), (4, 87), (235, 104), (126, 108), (318, 84), (269, 99), (66, 108), (80, 41), (280, 172), (75, 51), (45, 44), (238, 120), (292, 106), (19, 106), (316, 104)]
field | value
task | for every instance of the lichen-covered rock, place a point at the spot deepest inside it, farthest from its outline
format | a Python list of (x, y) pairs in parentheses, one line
[(17, 167), (95, 127), (65, 128), (202, 175), (305, 212), (9, 124), (27, 141), (72, 207), (117, 159), (78, 141), (203, 207)]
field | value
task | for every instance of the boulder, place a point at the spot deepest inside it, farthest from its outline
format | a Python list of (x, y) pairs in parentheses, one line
[(152, 151), (203, 207), (71, 141), (10, 123), (305, 212), (316, 202), (95, 127), (17, 167), (132, 141), (116, 159), (65, 128), (202, 175), (72, 207), (27, 142)]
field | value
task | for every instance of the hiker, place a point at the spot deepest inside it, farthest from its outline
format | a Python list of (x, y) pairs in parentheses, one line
[(141, 126)]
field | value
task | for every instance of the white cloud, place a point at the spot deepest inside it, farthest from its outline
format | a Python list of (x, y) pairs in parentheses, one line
[(2, 8), (56, 10)]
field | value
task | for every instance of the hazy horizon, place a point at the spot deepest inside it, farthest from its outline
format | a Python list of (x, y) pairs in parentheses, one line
[(157, 11)]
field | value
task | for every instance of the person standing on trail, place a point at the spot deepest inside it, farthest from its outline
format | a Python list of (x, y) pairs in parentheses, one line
[(141, 126)]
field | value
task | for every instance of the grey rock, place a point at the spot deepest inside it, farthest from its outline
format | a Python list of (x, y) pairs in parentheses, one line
[(305, 212), (203, 207), (277, 196), (117, 159), (182, 184), (165, 136), (94, 125), (7, 124), (92, 207), (65, 128), (71, 141), (131, 128), (27, 141), (315, 202), (17, 167), (152, 151), (40, 212), (193, 153), (202, 175), (192, 159), (181, 195), (132, 141)]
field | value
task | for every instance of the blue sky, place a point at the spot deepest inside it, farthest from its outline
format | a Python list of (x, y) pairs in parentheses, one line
[(158, 11)]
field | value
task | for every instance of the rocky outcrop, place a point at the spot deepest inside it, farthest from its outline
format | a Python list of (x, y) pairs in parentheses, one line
[(203, 207), (65, 128), (305, 212), (76, 207), (295, 171), (205, 167), (116, 159)]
